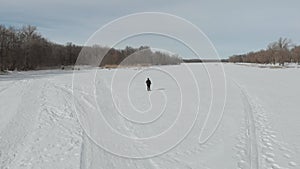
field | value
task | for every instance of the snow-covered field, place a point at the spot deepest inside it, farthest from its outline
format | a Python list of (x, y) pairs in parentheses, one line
[(196, 116)]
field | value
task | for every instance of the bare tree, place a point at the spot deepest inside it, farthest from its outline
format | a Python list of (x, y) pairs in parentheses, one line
[(281, 44), (281, 50), (276, 52), (296, 54), (26, 49)]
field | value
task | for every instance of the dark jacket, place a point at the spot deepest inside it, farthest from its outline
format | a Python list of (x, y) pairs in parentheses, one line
[(148, 82)]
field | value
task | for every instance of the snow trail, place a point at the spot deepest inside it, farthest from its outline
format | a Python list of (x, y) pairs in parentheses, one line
[(263, 149), (45, 133), (253, 155), (21, 124)]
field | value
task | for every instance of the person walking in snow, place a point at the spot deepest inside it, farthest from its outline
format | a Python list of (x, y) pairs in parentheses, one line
[(148, 83)]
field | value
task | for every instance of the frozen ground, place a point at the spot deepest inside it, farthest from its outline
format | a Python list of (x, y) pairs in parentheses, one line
[(41, 122)]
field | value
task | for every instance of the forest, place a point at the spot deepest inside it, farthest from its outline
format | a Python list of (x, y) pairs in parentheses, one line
[(26, 49), (279, 52)]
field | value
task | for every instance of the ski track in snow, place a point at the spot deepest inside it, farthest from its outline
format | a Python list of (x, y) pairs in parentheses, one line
[(259, 146)]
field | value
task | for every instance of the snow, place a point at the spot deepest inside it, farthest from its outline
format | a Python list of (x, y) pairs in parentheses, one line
[(272, 66), (204, 116)]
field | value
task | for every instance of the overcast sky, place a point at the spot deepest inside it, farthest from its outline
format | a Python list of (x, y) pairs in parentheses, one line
[(233, 26)]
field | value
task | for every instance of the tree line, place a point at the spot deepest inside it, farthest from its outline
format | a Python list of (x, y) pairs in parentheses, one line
[(125, 57), (26, 49), (279, 52)]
